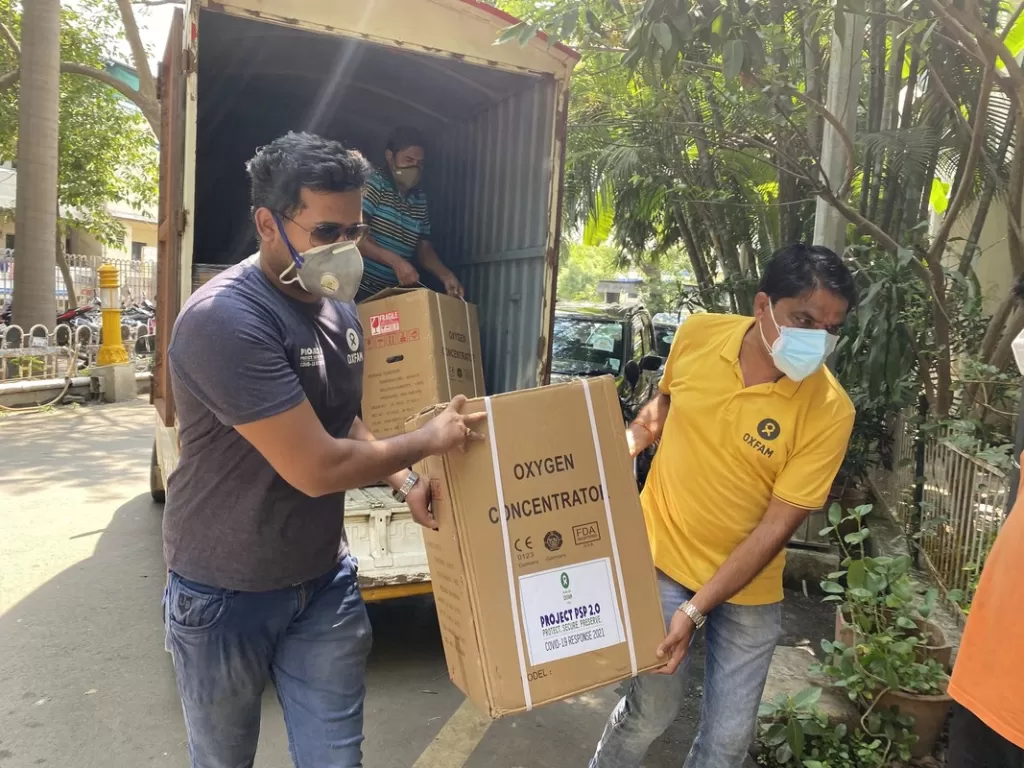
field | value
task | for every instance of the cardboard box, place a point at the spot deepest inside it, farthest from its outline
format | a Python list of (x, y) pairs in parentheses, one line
[(560, 595), (421, 348)]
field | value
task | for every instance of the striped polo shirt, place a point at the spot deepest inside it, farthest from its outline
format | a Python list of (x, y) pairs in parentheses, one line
[(397, 222)]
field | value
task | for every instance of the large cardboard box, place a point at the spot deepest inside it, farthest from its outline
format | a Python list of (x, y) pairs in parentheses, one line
[(421, 348), (559, 595)]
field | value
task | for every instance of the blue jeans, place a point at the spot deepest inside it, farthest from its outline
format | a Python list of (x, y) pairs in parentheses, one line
[(740, 640), (312, 640)]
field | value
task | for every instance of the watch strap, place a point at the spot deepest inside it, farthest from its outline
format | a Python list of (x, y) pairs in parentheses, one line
[(410, 481), (694, 613)]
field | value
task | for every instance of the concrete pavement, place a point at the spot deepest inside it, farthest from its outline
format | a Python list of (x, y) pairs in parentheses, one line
[(84, 679)]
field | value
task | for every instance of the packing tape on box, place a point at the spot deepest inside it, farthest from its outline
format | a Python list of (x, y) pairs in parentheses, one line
[(611, 527), (444, 346), (496, 467), (509, 571)]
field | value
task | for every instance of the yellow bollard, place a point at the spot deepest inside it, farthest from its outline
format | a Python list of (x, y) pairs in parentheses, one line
[(112, 349)]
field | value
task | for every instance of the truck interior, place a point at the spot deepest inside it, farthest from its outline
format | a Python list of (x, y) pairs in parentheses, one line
[(488, 172)]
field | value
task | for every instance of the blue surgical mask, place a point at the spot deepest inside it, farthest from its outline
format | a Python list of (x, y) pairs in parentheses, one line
[(799, 352)]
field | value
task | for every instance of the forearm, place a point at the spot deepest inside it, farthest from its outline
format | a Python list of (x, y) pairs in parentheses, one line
[(646, 428), (431, 261), (354, 463), (371, 250), (360, 431), (654, 414), (746, 561)]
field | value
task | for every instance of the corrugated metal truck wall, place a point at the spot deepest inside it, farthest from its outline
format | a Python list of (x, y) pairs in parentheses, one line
[(490, 215)]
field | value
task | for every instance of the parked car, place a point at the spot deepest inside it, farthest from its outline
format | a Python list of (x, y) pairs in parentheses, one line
[(608, 339), (665, 326)]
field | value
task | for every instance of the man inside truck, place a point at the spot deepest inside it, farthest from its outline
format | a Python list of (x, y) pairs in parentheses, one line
[(752, 430), (267, 366), (395, 209)]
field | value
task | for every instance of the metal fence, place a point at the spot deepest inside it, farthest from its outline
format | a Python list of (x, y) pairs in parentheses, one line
[(897, 487), (962, 502), (65, 351), (138, 278)]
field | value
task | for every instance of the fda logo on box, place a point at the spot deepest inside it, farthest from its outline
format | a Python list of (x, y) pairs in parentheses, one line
[(587, 533)]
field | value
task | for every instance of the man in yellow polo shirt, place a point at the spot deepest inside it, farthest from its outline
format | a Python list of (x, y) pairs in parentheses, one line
[(753, 429)]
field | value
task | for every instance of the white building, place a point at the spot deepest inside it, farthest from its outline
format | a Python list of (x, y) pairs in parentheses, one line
[(140, 236)]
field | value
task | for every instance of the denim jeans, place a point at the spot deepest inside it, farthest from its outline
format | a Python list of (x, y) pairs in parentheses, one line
[(739, 642), (312, 640)]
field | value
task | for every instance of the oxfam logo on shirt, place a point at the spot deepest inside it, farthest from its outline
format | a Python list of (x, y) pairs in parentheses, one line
[(565, 580)]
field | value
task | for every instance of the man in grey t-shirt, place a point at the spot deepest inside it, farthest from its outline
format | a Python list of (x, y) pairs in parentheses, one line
[(267, 376)]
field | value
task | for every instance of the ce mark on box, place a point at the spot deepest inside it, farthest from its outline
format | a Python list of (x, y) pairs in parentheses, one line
[(524, 551)]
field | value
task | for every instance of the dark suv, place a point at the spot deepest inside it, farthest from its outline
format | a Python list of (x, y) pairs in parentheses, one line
[(600, 339)]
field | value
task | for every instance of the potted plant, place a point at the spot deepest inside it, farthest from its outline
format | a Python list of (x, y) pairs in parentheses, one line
[(884, 673), (886, 654), (878, 594), (793, 732)]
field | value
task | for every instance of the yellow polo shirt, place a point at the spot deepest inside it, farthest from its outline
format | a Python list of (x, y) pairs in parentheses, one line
[(726, 449)]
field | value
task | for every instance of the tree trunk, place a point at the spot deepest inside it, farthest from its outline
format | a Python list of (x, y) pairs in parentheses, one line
[(149, 108), (812, 73), (893, 221), (700, 268), (727, 255), (147, 84), (651, 268), (35, 300), (987, 194), (890, 101), (876, 98), (62, 264)]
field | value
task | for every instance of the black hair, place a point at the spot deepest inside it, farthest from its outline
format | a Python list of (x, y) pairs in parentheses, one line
[(283, 168), (404, 137), (797, 269)]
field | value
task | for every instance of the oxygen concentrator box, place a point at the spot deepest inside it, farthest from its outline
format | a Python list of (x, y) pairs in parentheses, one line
[(541, 566)]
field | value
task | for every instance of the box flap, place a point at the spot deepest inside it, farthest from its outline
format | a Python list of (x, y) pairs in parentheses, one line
[(397, 290)]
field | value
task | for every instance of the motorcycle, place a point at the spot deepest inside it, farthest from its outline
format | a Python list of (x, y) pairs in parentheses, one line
[(67, 317)]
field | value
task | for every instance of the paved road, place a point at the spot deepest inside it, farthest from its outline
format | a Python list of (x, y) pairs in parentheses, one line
[(84, 679)]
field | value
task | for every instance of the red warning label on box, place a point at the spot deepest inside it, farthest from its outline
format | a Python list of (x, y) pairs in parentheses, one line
[(384, 323), (393, 339)]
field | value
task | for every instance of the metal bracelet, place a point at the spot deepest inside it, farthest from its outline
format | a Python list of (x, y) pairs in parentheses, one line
[(694, 613), (410, 482)]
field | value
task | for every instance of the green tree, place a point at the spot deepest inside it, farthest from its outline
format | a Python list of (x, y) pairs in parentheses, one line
[(720, 135), (106, 148), (580, 267)]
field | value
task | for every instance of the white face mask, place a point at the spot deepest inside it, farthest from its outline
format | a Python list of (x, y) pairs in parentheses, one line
[(331, 271), (799, 352)]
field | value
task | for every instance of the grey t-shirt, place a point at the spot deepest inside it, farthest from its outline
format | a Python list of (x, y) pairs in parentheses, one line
[(242, 351)]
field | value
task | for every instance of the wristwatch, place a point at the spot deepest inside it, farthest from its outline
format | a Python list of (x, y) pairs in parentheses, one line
[(694, 613), (402, 493)]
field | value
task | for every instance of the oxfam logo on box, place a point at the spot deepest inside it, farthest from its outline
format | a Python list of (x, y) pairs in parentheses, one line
[(565, 580)]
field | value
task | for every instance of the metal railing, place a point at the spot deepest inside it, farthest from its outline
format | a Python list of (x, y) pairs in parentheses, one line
[(962, 509), (897, 487), (962, 502), (41, 353), (138, 278)]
